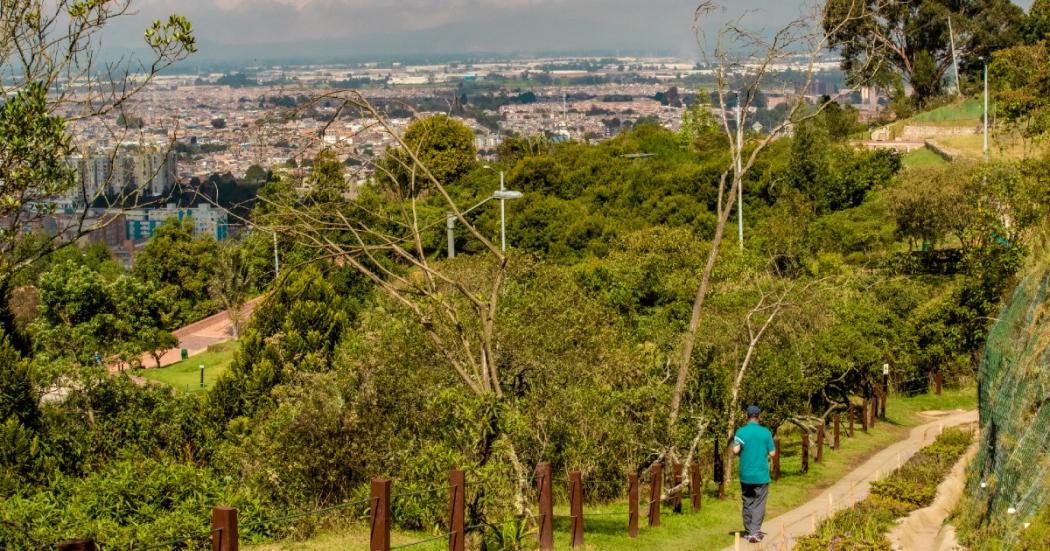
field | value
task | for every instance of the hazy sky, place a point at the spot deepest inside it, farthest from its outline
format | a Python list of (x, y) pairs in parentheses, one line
[(239, 28)]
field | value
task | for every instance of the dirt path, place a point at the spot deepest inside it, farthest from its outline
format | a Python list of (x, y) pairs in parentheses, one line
[(853, 487)]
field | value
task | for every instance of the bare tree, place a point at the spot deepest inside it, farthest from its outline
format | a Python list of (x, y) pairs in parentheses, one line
[(744, 60)]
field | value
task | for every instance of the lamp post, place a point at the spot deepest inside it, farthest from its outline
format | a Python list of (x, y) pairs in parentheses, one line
[(501, 195), (502, 212)]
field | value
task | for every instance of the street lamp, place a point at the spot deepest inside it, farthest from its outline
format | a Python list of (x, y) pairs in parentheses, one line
[(502, 194)]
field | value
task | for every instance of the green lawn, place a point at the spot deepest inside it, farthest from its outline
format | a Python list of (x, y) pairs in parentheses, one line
[(185, 375), (968, 111), (711, 528), (922, 158)]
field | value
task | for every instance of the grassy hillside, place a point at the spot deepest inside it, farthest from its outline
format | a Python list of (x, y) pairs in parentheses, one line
[(185, 375), (960, 113)]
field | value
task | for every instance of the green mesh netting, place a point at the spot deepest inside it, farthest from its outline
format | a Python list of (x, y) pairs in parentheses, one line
[(1010, 477)]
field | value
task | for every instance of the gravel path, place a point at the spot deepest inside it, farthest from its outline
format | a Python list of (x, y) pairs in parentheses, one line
[(854, 486)]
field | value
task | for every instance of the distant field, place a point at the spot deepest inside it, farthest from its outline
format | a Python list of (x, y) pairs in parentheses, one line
[(922, 158), (185, 376), (964, 112)]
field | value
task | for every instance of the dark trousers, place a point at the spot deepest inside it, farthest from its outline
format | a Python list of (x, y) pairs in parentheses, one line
[(754, 506)]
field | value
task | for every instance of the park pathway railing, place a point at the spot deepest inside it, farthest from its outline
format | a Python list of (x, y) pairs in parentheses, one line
[(224, 532)]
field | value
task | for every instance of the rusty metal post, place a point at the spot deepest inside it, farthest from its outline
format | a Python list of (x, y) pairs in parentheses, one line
[(380, 506), (677, 499), (938, 381), (546, 516), (224, 529), (632, 498), (576, 509), (656, 486), (77, 545), (457, 487), (695, 485), (805, 451), (820, 443), (776, 460), (838, 431)]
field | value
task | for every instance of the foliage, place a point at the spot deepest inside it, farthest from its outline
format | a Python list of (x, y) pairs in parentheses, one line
[(442, 144), (884, 40), (296, 329), (182, 266), (1021, 76), (913, 486)]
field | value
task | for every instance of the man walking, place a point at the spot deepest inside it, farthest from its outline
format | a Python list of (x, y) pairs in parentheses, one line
[(754, 444)]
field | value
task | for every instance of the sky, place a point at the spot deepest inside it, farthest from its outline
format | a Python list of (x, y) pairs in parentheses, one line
[(240, 29)]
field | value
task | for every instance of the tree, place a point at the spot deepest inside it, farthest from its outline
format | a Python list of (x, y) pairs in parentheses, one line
[(295, 330), (181, 265), (255, 174), (1022, 88), (1036, 26), (58, 42), (326, 180), (232, 282), (441, 143), (910, 38), (218, 123)]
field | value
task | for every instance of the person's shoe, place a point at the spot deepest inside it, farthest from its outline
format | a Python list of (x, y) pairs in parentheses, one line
[(753, 538), (761, 535)]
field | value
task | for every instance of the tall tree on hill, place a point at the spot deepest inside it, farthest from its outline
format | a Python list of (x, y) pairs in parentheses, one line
[(183, 266), (910, 39)]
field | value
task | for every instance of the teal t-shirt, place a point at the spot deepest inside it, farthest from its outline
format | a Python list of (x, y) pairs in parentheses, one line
[(755, 443)]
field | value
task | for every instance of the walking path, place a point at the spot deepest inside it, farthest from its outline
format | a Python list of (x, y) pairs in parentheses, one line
[(853, 487), (198, 336)]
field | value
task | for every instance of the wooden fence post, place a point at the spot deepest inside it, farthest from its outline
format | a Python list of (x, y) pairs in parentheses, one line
[(838, 431), (850, 434), (695, 485), (776, 459), (655, 488), (874, 408), (820, 443), (805, 451), (632, 497), (677, 500), (224, 529), (546, 516), (457, 485), (938, 381), (576, 509), (882, 402), (718, 470), (77, 545), (864, 415), (380, 506)]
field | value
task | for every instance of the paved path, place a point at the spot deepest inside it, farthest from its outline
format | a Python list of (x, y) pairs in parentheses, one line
[(198, 336), (854, 486)]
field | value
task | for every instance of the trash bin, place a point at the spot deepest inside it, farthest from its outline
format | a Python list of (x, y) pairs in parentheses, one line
[(185, 354)]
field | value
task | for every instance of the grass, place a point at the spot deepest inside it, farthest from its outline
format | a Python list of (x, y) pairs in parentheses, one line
[(185, 375), (911, 487), (710, 528), (968, 111), (922, 158), (1000, 147)]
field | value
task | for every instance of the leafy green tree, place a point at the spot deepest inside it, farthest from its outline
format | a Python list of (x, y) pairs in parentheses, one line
[(443, 145), (1036, 26), (911, 38), (326, 181), (182, 266), (255, 174), (296, 329), (1022, 88)]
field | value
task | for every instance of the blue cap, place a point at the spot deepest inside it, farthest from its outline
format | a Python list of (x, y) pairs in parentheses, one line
[(753, 411)]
